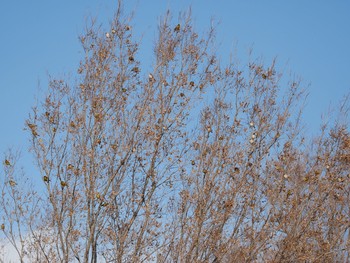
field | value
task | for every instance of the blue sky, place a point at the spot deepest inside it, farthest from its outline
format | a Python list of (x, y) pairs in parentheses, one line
[(311, 38)]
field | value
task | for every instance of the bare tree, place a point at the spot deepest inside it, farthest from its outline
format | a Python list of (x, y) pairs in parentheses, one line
[(187, 161)]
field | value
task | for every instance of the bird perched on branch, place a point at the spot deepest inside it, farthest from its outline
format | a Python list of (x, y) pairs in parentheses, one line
[(46, 179), (177, 28), (12, 183), (150, 77), (104, 204), (33, 127)]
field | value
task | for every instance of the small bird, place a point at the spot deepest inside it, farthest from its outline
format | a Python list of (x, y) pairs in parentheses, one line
[(70, 167), (33, 129), (2, 227), (34, 133), (12, 183), (150, 77), (7, 162), (108, 35), (177, 28), (135, 69), (32, 126), (254, 135), (46, 179), (63, 184)]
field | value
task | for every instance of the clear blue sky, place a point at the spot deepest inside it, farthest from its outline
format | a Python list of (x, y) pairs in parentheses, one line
[(312, 38)]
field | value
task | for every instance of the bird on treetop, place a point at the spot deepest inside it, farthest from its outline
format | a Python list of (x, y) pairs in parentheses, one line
[(7, 162)]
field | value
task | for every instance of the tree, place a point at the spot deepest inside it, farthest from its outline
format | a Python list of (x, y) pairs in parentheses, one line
[(188, 161)]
